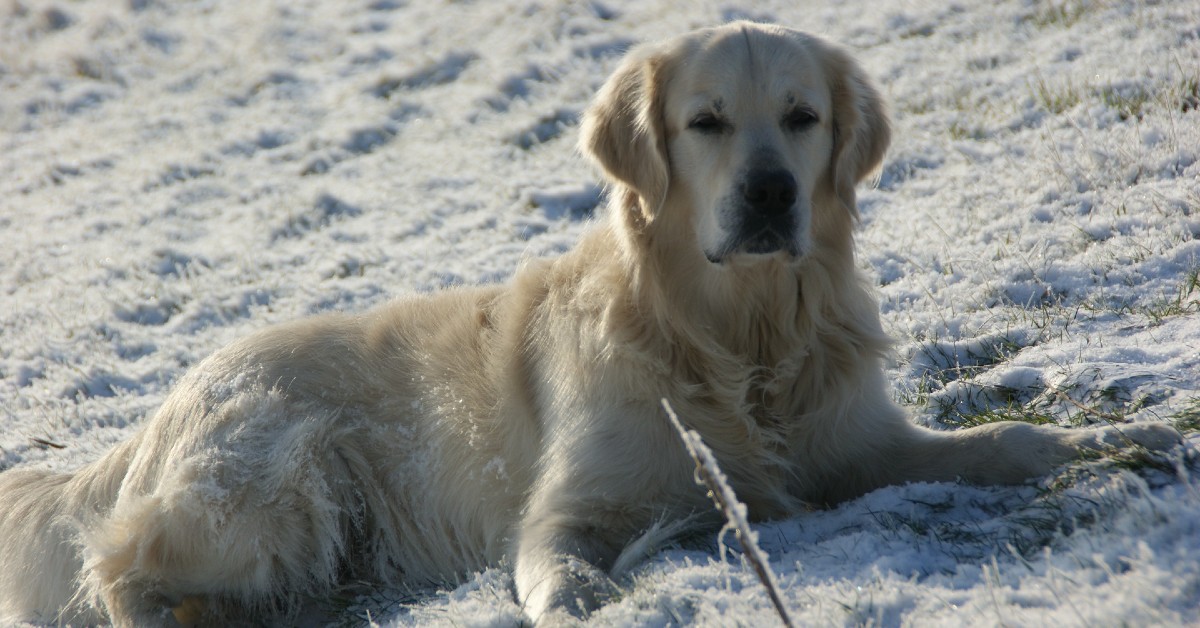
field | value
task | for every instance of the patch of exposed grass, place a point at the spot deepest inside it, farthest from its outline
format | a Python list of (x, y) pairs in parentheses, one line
[(960, 360), (1188, 419), (1055, 100), (976, 404), (1153, 310), (1189, 94), (961, 131), (1127, 102), (1185, 300), (985, 404), (918, 393), (1049, 13), (1013, 412)]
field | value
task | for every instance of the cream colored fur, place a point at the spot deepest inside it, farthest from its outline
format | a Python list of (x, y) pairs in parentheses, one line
[(437, 435)]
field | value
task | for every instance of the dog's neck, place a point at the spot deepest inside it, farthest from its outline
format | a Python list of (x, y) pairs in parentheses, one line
[(766, 313), (764, 309)]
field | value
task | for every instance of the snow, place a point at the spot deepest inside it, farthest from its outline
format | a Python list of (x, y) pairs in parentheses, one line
[(178, 174)]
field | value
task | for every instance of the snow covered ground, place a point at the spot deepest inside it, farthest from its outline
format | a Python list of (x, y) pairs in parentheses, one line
[(174, 175)]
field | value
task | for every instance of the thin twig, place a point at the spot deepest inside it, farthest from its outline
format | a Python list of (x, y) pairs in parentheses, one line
[(708, 473)]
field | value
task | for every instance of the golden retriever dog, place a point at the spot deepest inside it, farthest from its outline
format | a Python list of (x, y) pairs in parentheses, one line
[(521, 424)]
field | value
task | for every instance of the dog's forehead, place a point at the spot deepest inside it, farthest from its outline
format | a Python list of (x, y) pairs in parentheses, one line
[(776, 67)]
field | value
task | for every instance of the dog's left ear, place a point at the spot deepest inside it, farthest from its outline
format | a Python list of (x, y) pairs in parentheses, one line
[(623, 130), (861, 131)]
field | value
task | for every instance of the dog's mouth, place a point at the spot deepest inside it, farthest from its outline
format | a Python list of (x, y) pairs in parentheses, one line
[(768, 241), (759, 238)]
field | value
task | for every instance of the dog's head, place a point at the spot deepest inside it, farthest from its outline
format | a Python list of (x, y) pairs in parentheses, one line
[(751, 137)]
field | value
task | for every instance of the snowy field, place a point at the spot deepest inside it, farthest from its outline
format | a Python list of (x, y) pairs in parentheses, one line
[(174, 175)]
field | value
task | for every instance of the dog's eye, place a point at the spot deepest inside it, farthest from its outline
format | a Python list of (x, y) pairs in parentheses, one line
[(799, 119), (708, 123)]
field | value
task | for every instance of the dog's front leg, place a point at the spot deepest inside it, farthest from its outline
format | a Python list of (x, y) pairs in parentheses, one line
[(608, 474), (1010, 452), (560, 565)]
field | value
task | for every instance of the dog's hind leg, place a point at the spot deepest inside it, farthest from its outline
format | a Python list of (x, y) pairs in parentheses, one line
[(153, 564), (219, 541), (157, 563)]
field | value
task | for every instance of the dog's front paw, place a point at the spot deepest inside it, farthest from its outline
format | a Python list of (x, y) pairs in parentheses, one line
[(557, 618), (582, 589), (1153, 436), (568, 593)]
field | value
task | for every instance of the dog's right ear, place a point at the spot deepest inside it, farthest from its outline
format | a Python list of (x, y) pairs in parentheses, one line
[(623, 131)]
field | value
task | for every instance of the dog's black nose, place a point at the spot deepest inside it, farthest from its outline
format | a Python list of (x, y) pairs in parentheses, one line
[(770, 192)]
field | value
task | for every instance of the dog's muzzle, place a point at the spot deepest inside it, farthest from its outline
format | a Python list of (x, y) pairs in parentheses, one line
[(764, 221)]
